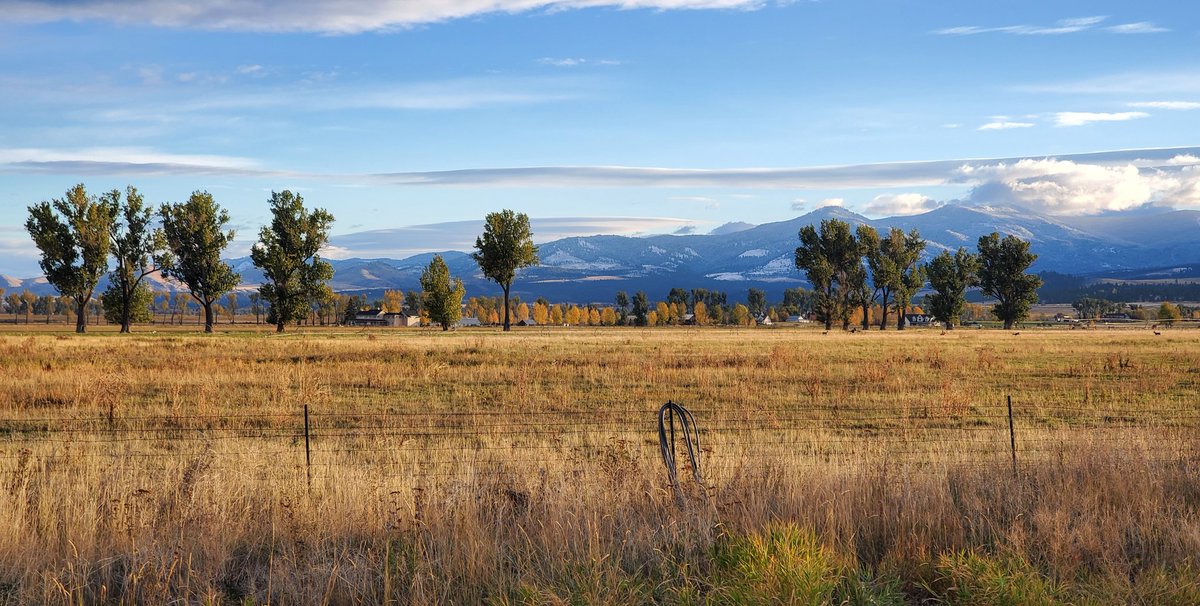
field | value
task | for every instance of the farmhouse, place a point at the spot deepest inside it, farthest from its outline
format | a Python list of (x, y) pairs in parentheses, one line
[(469, 321), (918, 319), (379, 317)]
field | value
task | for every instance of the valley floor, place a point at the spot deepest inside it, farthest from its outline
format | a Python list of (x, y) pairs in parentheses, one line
[(409, 466)]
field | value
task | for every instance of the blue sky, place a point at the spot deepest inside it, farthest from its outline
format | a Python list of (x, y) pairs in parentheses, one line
[(635, 116)]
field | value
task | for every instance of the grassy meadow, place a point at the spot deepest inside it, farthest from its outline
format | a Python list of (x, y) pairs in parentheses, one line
[(477, 467)]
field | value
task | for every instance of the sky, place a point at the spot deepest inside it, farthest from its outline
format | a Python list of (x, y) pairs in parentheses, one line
[(415, 118)]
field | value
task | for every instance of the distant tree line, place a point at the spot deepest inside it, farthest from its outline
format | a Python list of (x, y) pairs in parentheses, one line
[(853, 269), (1064, 288), (856, 275), (78, 234)]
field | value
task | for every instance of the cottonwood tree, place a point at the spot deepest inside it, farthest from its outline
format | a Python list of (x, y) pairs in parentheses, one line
[(505, 247), (73, 235), (1002, 266), (13, 300), (196, 236), (828, 258), (866, 291), (622, 301), (288, 253), (906, 274), (641, 308), (756, 302), (138, 307), (138, 251), (951, 275), (27, 301), (441, 294)]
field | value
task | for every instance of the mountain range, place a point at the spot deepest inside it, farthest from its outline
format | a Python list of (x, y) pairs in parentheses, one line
[(1132, 245)]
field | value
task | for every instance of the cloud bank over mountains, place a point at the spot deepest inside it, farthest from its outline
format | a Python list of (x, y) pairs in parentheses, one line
[(1073, 184)]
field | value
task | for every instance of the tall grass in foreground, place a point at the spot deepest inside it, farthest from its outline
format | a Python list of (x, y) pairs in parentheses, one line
[(521, 469)]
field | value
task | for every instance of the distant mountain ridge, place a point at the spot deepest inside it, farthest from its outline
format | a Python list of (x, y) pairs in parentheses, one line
[(738, 256)]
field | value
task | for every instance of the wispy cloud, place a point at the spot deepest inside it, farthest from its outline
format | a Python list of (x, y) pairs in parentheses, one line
[(576, 61), (1064, 26), (134, 161), (1174, 105), (1006, 125), (1082, 118), (1141, 27), (315, 15)]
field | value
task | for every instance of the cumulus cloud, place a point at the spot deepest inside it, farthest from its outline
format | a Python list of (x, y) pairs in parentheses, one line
[(891, 205), (799, 204), (1064, 187), (315, 15), (840, 202), (1082, 118)]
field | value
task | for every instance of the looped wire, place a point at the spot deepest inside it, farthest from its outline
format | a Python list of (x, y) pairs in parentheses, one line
[(691, 438)]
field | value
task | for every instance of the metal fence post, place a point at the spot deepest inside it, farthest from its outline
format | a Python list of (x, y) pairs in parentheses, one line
[(1012, 437), (307, 450)]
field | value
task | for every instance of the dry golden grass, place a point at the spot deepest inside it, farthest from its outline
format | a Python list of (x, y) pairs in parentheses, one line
[(480, 467)]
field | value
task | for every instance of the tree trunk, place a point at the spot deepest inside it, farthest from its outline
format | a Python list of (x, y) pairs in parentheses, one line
[(80, 316), (506, 325), (208, 317), (1008, 324), (279, 326), (883, 312), (866, 319), (900, 317), (949, 325), (828, 323)]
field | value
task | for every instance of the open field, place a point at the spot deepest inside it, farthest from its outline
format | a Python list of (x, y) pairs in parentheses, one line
[(480, 467)]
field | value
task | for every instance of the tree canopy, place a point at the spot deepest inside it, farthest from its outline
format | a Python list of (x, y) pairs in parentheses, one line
[(829, 258), (951, 276), (73, 234), (138, 251), (505, 246), (288, 253), (195, 236), (1002, 267), (442, 295)]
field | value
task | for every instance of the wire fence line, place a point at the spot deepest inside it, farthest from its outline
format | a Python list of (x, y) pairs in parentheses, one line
[(450, 444)]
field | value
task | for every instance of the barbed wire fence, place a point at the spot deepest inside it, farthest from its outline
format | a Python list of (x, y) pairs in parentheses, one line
[(427, 444)]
